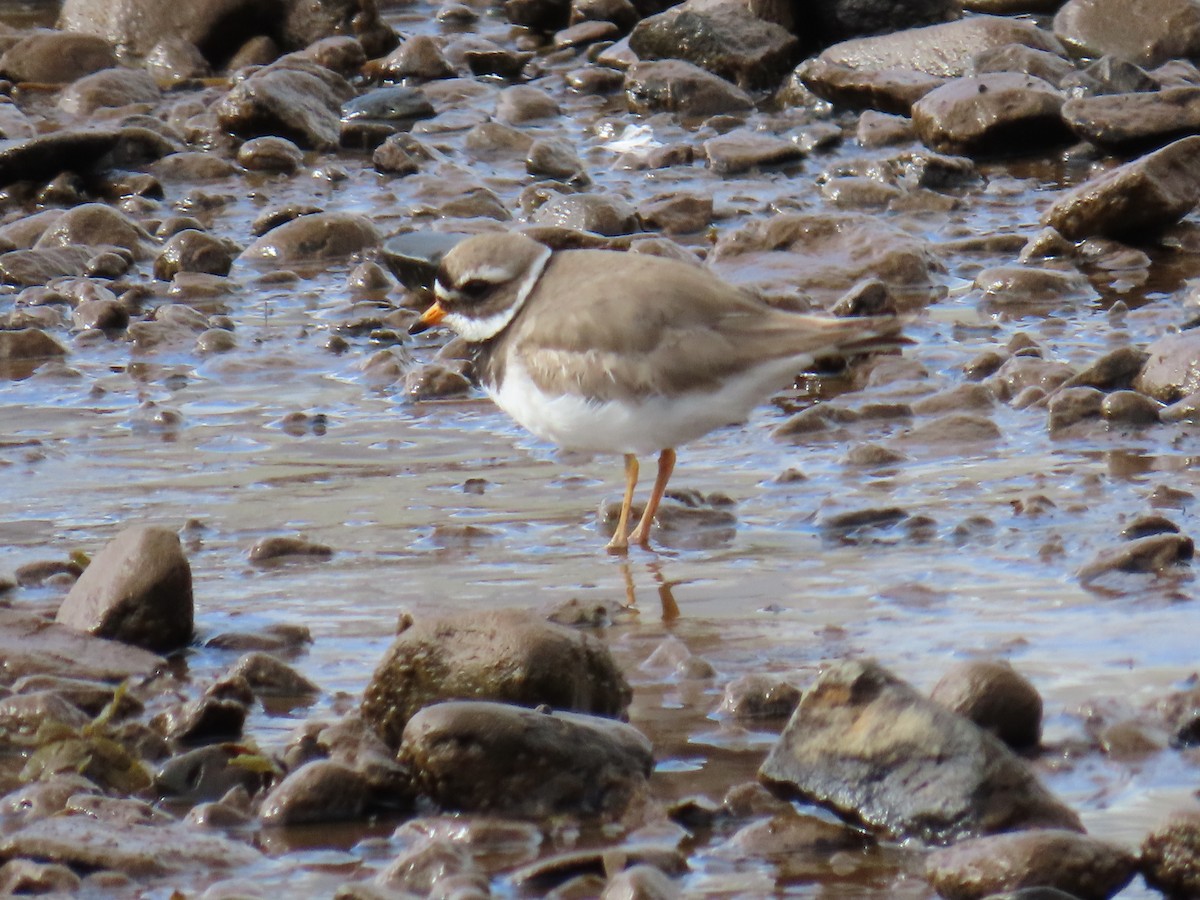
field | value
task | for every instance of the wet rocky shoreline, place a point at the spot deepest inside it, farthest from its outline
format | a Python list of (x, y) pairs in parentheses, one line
[(281, 605)]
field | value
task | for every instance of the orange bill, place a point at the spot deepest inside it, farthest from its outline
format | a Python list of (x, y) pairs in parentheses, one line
[(428, 319)]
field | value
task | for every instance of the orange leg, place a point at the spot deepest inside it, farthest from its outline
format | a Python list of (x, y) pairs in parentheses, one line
[(666, 465), (620, 538)]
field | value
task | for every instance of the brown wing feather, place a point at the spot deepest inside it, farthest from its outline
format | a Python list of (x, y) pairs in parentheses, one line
[(664, 327)]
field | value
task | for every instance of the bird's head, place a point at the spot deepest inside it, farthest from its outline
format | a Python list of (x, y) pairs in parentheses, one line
[(482, 283)]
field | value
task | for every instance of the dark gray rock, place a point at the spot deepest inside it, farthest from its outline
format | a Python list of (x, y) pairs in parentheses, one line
[(269, 676), (873, 750), (995, 697), (1160, 30), (994, 114), (1134, 200), (1079, 865), (721, 36), (137, 589), (476, 756), (207, 773), (505, 655)]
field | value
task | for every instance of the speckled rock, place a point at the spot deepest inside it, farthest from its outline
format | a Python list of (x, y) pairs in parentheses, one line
[(474, 756), (506, 655), (1133, 200), (1077, 864), (1171, 856), (137, 589), (936, 777), (1003, 112)]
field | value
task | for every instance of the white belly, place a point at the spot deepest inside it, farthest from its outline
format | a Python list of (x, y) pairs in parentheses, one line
[(643, 426)]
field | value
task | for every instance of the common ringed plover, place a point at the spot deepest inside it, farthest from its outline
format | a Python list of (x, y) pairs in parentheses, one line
[(610, 352)]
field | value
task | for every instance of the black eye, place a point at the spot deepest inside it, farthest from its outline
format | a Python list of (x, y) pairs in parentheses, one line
[(475, 288)]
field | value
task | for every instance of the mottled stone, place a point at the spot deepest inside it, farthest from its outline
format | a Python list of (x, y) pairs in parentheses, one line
[(869, 747)]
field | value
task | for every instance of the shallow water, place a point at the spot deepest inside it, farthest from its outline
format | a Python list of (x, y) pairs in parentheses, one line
[(81, 458)]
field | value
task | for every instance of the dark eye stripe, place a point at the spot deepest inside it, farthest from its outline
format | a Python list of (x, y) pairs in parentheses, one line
[(474, 288)]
